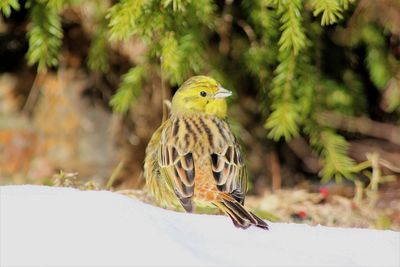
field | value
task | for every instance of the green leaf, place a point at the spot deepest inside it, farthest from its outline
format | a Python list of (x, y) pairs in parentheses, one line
[(346, 3), (45, 37), (6, 6), (177, 5), (171, 58), (377, 61), (285, 117), (330, 9), (283, 122), (129, 89), (336, 96), (57, 5), (333, 149), (336, 162), (293, 38), (192, 52), (98, 51), (123, 18)]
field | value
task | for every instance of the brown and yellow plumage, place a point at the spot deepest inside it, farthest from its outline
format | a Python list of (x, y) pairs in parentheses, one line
[(193, 159)]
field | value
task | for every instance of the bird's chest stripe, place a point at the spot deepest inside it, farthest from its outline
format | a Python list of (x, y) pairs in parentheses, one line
[(196, 125), (175, 130), (199, 134), (221, 129), (189, 132), (207, 130)]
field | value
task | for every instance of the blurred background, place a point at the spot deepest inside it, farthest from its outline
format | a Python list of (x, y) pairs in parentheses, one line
[(316, 96)]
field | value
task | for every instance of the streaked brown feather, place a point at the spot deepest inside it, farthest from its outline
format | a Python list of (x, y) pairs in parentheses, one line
[(200, 160)]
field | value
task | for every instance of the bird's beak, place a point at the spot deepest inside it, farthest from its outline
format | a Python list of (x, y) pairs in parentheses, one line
[(222, 93)]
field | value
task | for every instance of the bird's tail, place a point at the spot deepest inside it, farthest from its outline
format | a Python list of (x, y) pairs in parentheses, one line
[(240, 216)]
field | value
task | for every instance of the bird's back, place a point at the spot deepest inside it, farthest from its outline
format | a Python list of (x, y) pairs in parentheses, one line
[(195, 159), (207, 138)]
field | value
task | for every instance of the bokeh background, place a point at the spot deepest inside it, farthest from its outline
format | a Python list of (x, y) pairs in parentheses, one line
[(83, 85)]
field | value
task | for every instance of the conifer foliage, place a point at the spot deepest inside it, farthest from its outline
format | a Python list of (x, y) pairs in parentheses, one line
[(304, 54)]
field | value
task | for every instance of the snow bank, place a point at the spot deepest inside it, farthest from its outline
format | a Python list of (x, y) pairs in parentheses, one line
[(67, 227)]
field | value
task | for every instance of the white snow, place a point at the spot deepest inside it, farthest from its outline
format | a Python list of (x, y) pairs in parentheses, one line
[(49, 226)]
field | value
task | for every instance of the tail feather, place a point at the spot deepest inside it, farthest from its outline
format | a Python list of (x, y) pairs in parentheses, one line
[(240, 216)]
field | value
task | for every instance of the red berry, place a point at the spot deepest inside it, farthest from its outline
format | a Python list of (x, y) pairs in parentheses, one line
[(302, 214), (324, 192)]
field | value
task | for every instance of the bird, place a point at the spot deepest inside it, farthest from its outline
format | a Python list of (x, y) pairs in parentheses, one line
[(193, 159)]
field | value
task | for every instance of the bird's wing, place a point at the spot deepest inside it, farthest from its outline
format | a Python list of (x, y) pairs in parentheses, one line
[(175, 157), (227, 162), (229, 172), (177, 167)]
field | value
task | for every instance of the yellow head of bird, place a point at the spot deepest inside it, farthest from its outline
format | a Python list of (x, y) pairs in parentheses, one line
[(201, 94)]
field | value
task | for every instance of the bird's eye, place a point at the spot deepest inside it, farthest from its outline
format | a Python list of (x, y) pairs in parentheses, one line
[(203, 94)]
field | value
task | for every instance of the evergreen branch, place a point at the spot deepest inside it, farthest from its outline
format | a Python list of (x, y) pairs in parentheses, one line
[(336, 96), (283, 121), (257, 59), (129, 90), (204, 10), (285, 117), (6, 6), (45, 37), (98, 51), (123, 18), (293, 38), (261, 57), (330, 9), (192, 54), (177, 5), (265, 21), (345, 97), (352, 82), (334, 152), (345, 3), (333, 148), (181, 56), (171, 57), (376, 59), (306, 100), (57, 5)]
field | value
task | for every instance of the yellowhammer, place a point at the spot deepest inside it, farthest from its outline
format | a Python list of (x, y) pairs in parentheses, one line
[(193, 159)]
